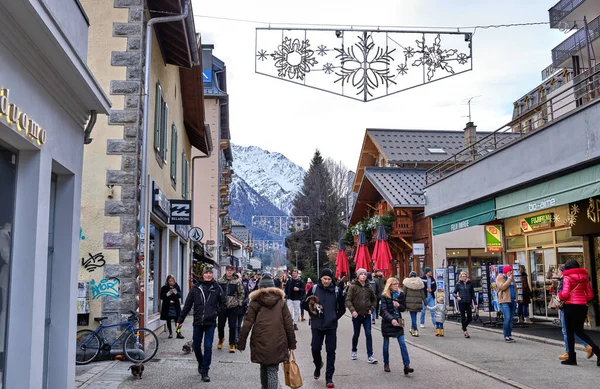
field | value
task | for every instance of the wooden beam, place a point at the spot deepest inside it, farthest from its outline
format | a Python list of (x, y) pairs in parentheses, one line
[(406, 242)]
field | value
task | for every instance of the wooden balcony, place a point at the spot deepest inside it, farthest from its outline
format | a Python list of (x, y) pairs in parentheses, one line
[(224, 144), (223, 212), (403, 226)]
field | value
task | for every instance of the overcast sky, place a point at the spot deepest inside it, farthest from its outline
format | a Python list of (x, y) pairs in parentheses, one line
[(295, 120)]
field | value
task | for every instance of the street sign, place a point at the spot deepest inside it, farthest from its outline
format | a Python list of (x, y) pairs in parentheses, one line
[(196, 234), (181, 212), (418, 248)]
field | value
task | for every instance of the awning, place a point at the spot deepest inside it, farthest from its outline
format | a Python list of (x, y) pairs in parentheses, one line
[(562, 190), (468, 217), (235, 241)]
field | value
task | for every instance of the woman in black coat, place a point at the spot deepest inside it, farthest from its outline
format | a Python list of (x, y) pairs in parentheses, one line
[(170, 295), (393, 301), (465, 295)]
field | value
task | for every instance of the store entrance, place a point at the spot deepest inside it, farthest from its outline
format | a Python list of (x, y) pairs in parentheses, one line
[(544, 281), (595, 274)]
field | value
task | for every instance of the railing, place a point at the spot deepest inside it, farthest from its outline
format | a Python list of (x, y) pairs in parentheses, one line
[(587, 88), (562, 9), (225, 223), (226, 200), (575, 43)]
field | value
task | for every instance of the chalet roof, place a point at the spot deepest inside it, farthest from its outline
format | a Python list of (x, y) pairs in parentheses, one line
[(398, 185)]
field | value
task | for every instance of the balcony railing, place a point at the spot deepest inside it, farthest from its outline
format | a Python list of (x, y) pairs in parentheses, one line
[(585, 87), (226, 200), (226, 223), (588, 90), (562, 9), (576, 42)]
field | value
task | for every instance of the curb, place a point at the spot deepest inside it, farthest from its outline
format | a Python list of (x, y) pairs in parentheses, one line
[(96, 372)]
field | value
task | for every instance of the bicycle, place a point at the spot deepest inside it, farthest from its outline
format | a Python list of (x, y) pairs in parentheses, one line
[(141, 345)]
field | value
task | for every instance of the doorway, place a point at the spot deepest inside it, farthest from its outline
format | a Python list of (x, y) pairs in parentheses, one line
[(49, 274), (544, 281)]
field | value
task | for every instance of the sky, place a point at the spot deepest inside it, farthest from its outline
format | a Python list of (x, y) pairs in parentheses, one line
[(295, 120)]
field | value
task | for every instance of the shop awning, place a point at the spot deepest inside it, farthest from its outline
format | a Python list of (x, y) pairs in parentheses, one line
[(562, 190), (468, 217)]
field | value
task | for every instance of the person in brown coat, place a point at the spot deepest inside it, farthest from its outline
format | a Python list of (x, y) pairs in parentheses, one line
[(272, 331), (414, 290)]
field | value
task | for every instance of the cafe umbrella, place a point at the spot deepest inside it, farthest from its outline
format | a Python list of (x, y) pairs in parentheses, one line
[(381, 254), (341, 261), (362, 258)]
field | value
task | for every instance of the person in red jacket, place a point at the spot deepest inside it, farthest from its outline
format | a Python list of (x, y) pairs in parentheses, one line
[(576, 293)]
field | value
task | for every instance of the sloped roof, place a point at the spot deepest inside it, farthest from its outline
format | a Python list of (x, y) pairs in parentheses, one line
[(397, 185)]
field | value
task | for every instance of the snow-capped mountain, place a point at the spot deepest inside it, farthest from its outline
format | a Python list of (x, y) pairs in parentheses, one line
[(270, 174)]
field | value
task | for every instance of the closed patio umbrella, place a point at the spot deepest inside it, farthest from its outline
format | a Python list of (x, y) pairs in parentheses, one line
[(341, 261), (381, 254), (362, 258)]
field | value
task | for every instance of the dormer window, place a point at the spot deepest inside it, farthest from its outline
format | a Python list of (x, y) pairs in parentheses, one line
[(436, 150)]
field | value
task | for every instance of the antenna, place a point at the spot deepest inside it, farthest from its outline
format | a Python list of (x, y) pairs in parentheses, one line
[(468, 102)]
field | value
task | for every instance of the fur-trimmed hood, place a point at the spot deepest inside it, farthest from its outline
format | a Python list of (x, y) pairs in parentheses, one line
[(267, 297), (414, 283)]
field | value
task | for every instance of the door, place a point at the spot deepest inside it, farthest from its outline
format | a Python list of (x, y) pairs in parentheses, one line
[(544, 281), (47, 320)]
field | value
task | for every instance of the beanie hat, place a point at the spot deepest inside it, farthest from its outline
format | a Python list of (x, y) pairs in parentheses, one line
[(207, 269), (360, 271), (266, 281), (326, 273), (427, 269), (506, 269), (309, 280)]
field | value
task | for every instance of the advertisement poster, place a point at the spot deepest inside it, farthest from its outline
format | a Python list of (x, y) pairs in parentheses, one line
[(440, 280), (536, 222), (451, 283), (493, 239), (485, 286), (494, 271)]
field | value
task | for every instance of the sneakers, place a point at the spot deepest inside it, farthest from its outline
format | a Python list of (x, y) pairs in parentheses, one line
[(330, 385), (509, 339), (170, 336), (232, 348), (467, 335), (372, 360), (296, 327), (353, 356), (205, 377), (422, 325), (528, 321), (220, 344), (317, 373), (564, 357), (415, 334), (408, 369)]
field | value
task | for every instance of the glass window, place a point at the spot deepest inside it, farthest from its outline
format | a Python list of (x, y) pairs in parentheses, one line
[(564, 236), (8, 174), (154, 263), (540, 239), (518, 242), (566, 253), (479, 256), (459, 258)]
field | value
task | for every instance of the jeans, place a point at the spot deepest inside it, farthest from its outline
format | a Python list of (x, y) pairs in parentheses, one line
[(230, 315), (330, 337), (430, 303), (508, 311), (209, 333), (403, 351), (365, 321), (564, 331), (268, 376), (523, 310), (574, 318), (413, 320), (465, 314), (294, 307), (439, 326)]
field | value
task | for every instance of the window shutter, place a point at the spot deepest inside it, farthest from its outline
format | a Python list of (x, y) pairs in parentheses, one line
[(184, 176), (157, 117), (174, 154), (164, 132)]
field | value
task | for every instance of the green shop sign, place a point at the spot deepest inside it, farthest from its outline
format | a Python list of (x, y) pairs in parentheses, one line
[(468, 217), (536, 222)]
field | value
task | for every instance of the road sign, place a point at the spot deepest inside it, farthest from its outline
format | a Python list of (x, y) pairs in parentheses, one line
[(196, 234)]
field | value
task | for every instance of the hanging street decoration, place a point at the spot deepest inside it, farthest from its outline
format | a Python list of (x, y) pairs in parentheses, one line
[(281, 225), (265, 246), (363, 65)]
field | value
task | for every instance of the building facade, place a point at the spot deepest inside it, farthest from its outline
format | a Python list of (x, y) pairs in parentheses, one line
[(48, 102)]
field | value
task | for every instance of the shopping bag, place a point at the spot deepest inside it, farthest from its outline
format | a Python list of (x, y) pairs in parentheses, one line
[(293, 379)]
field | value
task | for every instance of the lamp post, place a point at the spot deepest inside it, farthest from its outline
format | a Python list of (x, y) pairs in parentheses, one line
[(296, 252), (318, 245)]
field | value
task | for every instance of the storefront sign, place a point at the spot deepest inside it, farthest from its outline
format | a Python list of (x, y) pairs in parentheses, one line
[(584, 216), (493, 239), (182, 230), (20, 120), (471, 216), (536, 222), (160, 203), (418, 249), (180, 212)]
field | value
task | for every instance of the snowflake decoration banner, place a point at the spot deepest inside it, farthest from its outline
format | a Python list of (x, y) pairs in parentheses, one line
[(363, 65)]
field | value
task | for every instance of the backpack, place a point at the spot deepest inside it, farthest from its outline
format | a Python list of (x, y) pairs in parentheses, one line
[(337, 291)]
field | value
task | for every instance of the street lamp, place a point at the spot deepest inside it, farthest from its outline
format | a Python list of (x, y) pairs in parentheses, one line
[(296, 252), (318, 244)]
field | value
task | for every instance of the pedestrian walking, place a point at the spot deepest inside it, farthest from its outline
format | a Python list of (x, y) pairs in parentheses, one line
[(234, 301), (206, 297), (360, 301), (327, 302), (507, 299), (429, 287), (375, 286), (244, 308), (381, 281), (523, 305), (294, 294), (170, 309), (412, 287), (273, 335), (393, 302), (576, 293), (439, 313), (465, 295)]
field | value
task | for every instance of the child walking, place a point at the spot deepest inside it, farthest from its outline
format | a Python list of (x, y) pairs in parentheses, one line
[(439, 313)]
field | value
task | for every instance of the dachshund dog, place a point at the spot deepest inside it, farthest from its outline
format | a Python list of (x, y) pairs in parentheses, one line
[(187, 347), (314, 308), (137, 370)]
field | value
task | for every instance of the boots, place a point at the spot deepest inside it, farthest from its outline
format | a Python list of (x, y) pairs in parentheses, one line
[(563, 357), (437, 332), (220, 344), (571, 361), (589, 351), (597, 352), (408, 369), (441, 332)]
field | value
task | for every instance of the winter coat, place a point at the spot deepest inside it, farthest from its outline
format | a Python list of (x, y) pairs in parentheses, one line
[(576, 288), (415, 294), (290, 293), (173, 300), (373, 285), (234, 291), (387, 315), (504, 288), (465, 291), (380, 284), (333, 306), (439, 312), (361, 299), (433, 286), (526, 290), (272, 327), (207, 298)]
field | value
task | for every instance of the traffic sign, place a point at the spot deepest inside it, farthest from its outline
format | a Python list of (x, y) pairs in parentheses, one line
[(196, 234)]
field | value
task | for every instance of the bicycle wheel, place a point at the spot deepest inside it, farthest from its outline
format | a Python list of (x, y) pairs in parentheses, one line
[(141, 345), (88, 346)]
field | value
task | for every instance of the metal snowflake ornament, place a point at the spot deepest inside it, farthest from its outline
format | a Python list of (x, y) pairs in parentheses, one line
[(361, 64)]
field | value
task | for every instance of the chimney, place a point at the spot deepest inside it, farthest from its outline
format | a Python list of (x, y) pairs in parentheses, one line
[(470, 134)]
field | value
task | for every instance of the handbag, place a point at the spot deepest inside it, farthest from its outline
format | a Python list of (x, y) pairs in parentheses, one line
[(559, 303), (293, 379)]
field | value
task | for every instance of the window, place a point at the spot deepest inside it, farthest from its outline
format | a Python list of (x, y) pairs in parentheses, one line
[(436, 150), (184, 175), (161, 118), (174, 155), (154, 266)]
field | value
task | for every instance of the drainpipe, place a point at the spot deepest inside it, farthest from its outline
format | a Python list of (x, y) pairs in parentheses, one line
[(143, 181), (89, 127)]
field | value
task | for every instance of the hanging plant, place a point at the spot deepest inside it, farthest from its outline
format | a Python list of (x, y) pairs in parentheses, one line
[(369, 224)]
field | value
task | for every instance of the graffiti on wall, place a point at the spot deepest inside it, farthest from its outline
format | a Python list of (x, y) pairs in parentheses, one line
[(81, 236), (93, 262), (105, 287)]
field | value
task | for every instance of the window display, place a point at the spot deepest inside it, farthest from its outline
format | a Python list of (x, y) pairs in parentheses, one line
[(154, 264)]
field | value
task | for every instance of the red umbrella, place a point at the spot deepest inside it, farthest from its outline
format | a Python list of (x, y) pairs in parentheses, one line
[(382, 255), (362, 258), (341, 261)]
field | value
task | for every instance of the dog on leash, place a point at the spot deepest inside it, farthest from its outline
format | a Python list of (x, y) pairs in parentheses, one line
[(187, 347), (314, 308), (137, 370)]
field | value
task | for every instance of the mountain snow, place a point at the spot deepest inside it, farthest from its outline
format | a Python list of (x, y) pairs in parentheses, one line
[(271, 175)]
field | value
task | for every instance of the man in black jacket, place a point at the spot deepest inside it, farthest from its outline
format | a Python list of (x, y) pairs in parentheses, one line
[(430, 288), (324, 324), (294, 294), (206, 297)]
